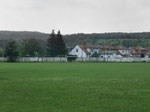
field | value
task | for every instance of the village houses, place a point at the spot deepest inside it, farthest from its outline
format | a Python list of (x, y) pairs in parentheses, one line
[(109, 51)]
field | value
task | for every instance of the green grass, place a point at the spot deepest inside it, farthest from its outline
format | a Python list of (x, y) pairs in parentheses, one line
[(74, 87)]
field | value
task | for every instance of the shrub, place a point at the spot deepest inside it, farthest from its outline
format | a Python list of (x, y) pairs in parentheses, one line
[(71, 58)]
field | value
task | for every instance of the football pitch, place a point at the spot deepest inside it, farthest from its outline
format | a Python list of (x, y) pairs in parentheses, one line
[(74, 87)]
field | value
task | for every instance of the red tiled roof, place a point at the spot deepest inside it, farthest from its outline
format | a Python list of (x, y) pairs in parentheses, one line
[(83, 48), (138, 48), (121, 48), (91, 46), (148, 48), (106, 47), (148, 53)]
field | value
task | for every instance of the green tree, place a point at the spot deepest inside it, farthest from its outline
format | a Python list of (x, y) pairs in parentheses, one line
[(11, 51), (1, 52), (56, 45), (31, 47), (51, 44), (61, 45)]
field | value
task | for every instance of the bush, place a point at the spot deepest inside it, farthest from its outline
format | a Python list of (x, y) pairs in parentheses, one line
[(95, 55), (71, 58), (10, 51), (1, 52)]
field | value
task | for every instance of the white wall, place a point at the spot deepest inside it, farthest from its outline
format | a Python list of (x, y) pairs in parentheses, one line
[(125, 52), (111, 56), (2, 59), (80, 59), (42, 59)]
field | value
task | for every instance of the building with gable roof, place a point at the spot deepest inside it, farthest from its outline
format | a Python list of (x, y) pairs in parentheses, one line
[(85, 50)]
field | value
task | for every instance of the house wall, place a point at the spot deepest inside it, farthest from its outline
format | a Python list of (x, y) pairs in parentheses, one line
[(110, 56), (92, 51), (80, 52), (125, 52)]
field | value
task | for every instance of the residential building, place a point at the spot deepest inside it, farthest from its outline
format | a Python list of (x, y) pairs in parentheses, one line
[(85, 50)]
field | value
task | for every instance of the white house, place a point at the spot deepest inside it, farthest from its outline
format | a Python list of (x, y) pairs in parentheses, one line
[(110, 54), (123, 51), (118, 50), (85, 50), (102, 51)]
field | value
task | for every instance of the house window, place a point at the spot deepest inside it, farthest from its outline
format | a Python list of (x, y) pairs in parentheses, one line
[(76, 50)]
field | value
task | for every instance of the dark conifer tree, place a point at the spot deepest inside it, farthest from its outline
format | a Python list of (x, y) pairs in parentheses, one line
[(61, 45), (51, 44), (56, 45)]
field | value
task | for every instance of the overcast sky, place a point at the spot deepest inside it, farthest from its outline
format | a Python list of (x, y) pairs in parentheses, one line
[(75, 16)]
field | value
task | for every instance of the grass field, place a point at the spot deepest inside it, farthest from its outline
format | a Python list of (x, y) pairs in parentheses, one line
[(74, 87)]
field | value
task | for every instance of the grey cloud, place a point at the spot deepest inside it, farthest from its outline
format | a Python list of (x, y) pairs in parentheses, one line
[(73, 16)]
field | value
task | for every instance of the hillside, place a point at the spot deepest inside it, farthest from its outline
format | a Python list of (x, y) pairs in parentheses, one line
[(18, 35), (126, 39)]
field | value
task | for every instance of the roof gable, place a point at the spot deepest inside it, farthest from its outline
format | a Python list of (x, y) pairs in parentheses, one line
[(84, 49)]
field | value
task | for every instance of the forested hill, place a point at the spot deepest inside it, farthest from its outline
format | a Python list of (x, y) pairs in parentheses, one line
[(126, 39), (19, 35)]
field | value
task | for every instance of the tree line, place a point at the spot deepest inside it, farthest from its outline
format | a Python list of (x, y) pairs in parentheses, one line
[(31, 47), (125, 39)]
